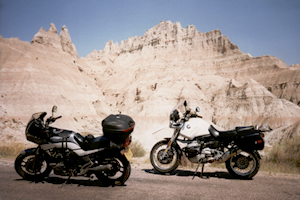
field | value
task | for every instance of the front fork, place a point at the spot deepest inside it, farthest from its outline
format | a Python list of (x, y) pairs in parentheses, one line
[(35, 160), (171, 141)]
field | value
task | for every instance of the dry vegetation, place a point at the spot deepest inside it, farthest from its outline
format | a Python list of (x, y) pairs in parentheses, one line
[(283, 157), (137, 149), (13, 150)]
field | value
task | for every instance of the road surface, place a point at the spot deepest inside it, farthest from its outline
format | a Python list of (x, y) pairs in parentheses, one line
[(144, 183)]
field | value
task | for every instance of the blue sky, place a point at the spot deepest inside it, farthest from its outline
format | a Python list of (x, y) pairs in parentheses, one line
[(258, 27)]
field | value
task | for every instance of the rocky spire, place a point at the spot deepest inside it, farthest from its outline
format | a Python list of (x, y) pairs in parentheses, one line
[(51, 38), (66, 42), (53, 28), (40, 37)]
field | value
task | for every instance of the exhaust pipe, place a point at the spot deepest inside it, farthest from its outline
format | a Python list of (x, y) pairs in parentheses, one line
[(107, 167), (229, 154)]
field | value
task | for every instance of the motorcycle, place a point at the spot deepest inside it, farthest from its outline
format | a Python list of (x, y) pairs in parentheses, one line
[(70, 154), (202, 143)]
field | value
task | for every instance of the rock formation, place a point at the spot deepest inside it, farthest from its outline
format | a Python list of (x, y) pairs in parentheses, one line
[(145, 77), (51, 38), (36, 76), (209, 53)]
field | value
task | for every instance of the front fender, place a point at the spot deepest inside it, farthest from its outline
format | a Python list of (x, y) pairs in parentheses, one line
[(31, 150), (34, 151)]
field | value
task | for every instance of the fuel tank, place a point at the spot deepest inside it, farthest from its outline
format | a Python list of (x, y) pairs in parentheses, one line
[(195, 127)]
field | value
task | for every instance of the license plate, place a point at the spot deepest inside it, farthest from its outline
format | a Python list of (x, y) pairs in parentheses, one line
[(128, 154)]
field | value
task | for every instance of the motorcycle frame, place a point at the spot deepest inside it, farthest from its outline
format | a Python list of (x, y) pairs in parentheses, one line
[(232, 151)]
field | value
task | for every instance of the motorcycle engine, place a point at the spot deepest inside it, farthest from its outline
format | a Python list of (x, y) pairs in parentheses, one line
[(202, 152), (65, 160)]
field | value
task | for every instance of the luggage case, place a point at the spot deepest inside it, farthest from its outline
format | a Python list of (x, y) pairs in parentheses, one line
[(117, 127)]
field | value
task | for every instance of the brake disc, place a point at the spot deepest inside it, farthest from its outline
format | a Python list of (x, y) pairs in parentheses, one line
[(166, 159), (29, 165)]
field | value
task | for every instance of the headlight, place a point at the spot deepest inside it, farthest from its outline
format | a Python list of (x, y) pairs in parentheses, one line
[(174, 116)]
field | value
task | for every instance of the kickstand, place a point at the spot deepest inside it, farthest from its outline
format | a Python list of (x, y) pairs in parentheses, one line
[(71, 174), (197, 170), (201, 175)]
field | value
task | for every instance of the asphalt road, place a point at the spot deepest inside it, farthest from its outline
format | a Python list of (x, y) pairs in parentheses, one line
[(144, 183)]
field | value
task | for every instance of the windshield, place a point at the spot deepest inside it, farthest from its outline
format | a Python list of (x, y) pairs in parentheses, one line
[(177, 112), (180, 103), (37, 115)]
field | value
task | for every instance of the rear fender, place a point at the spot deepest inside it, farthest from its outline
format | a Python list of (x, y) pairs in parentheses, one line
[(109, 153), (258, 155)]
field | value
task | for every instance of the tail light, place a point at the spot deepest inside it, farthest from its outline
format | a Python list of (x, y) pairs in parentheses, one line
[(259, 141), (127, 141)]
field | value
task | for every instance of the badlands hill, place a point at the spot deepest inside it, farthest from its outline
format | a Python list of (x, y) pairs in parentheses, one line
[(144, 77)]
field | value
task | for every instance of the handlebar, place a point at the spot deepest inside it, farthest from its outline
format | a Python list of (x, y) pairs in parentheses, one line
[(52, 119), (57, 117)]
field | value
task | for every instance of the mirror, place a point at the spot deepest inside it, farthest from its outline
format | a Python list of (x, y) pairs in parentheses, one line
[(197, 109), (184, 103), (54, 109)]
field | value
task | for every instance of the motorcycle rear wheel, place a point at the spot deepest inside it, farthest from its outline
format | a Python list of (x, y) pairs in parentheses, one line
[(119, 174), (166, 164), (29, 168), (244, 165)]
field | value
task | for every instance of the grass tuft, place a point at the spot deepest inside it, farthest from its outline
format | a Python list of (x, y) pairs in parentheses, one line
[(12, 151), (137, 149), (284, 157)]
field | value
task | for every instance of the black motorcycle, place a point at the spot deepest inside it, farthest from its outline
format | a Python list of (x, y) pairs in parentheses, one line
[(70, 154)]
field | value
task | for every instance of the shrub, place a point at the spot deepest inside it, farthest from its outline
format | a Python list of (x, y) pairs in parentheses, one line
[(137, 149), (12, 151), (285, 156)]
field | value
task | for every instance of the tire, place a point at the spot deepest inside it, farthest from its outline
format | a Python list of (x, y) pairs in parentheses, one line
[(167, 164), (24, 166), (120, 172), (244, 165)]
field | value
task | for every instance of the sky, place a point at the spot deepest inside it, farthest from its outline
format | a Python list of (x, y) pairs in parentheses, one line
[(258, 27)]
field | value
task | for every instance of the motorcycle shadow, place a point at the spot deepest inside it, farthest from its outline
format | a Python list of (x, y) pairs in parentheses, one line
[(205, 175), (79, 181)]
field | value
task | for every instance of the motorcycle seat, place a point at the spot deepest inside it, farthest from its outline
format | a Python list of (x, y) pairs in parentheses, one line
[(99, 142), (244, 128), (221, 134), (86, 143)]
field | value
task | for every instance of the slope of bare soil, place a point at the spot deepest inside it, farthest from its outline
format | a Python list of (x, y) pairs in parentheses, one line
[(144, 77)]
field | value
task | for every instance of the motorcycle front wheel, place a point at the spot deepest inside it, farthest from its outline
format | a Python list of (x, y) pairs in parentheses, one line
[(31, 168), (119, 173), (164, 162), (244, 165)]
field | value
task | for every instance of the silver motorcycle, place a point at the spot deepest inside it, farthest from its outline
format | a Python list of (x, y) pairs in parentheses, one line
[(68, 153)]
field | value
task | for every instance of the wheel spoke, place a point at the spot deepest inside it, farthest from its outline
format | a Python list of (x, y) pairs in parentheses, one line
[(166, 163)]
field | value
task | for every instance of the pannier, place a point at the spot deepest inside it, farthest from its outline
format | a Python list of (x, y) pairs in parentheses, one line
[(250, 141), (117, 127)]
